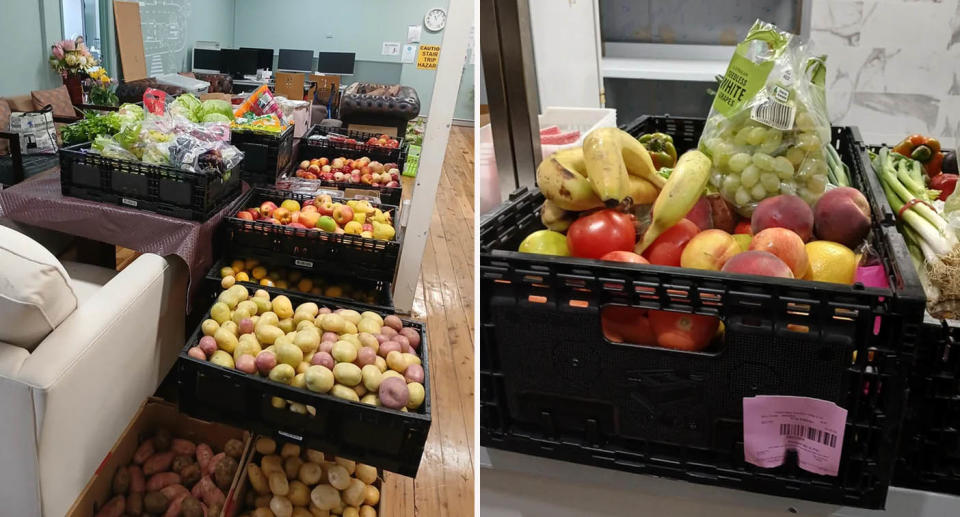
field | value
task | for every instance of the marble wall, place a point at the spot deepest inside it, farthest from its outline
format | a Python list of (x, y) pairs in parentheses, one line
[(893, 66)]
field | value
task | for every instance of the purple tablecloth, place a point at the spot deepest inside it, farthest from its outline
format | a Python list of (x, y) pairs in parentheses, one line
[(38, 202)]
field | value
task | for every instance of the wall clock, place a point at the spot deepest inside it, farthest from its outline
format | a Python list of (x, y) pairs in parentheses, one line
[(435, 19)]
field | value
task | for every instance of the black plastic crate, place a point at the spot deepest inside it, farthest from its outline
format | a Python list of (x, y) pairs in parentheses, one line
[(162, 189), (337, 289), (551, 385), (381, 154), (265, 155), (386, 438), (930, 447), (310, 249)]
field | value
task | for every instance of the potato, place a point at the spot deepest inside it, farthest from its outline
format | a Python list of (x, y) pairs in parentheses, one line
[(343, 392), (173, 492), (370, 398), (257, 479), (159, 462), (283, 373), (281, 506), (310, 473), (190, 474), (225, 339), (241, 292), (350, 465), (267, 334), (333, 323), (262, 501), (222, 358), (302, 320), (393, 392), (412, 359), (325, 497), (265, 446), (413, 337), (361, 390), (271, 463), (368, 340), (268, 318), (298, 408), (282, 307), (231, 327), (246, 347), (220, 313), (338, 477), (291, 466), (354, 493), (262, 512), (265, 361), (318, 379), (367, 511), (288, 353), (238, 315), (263, 304), (308, 340), (287, 326), (208, 492), (181, 461), (190, 507), (224, 472), (300, 511), (278, 402), (121, 481), (396, 361), (350, 511), (209, 326), (347, 374), (371, 495), (352, 339), (135, 503), (162, 480), (366, 473), (299, 380), (278, 483), (372, 315), (371, 377), (317, 512), (315, 456), (299, 493), (183, 447), (416, 395), (155, 502), (249, 306), (344, 352), (381, 364), (369, 325), (246, 363), (308, 307), (394, 374)]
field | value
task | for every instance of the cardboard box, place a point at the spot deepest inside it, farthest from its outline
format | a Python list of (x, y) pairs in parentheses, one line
[(235, 502), (155, 414)]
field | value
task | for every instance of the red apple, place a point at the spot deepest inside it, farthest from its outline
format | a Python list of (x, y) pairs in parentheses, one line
[(267, 208), (367, 227), (327, 176), (296, 225), (255, 212), (326, 207), (246, 216), (326, 168), (282, 214), (314, 168), (376, 166), (342, 214), (393, 184), (322, 198), (390, 165), (309, 176), (305, 164), (338, 176), (323, 161)]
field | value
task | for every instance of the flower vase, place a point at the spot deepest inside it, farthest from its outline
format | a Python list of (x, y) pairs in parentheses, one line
[(75, 87)]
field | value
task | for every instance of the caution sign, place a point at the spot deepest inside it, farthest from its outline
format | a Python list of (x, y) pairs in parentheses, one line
[(428, 56)]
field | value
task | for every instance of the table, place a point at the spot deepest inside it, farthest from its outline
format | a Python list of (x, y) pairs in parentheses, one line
[(39, 202)]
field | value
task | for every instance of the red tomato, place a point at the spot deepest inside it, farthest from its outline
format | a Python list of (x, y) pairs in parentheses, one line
[(666, 249), (624, 256), (626, 325), (680, 331), (595, 235), (743, 227)]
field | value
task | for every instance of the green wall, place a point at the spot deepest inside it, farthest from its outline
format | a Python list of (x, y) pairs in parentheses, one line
[(27, 30)]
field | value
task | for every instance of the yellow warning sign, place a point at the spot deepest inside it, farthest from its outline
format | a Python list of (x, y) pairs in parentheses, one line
[(427, 57)]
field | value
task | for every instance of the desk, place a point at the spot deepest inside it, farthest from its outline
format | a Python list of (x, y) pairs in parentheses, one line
[(39, 202)]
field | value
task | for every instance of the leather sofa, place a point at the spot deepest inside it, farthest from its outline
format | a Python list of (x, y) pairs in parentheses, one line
[(379, 105), (81, 347)]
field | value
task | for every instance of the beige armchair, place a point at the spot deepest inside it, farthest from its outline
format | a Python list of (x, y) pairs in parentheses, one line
[(81, 347)]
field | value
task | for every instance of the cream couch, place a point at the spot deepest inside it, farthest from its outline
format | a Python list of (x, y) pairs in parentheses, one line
[(81, 347)]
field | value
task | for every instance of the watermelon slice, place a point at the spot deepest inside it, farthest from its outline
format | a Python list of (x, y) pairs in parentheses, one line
[(560, 138), (550, 130)]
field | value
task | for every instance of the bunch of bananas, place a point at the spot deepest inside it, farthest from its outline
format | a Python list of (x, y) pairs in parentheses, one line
[(611, 168)]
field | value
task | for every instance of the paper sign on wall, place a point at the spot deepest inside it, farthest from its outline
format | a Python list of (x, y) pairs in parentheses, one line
[(409, 54), (390, 48), (428, 56), (413, 34)]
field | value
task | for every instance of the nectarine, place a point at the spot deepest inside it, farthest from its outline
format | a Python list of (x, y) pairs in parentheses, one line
[(842, 215), (709, 250), (757, 262), (786, 245), (784, 211)]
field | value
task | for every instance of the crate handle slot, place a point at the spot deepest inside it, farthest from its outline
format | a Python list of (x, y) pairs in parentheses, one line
[(533, 298), (582, 304)]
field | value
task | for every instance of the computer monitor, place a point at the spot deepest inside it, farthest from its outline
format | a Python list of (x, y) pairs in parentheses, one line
[(264, 57), (206, 60), (295, 60), (238, 62), (335, 62)]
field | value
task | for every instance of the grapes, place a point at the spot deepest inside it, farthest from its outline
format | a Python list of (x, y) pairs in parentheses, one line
[(788, 188), (741, 138), (738, 162), (804, 122), (758, 192), (811, 166), (772, 142), (817, 183), (763, 161), (750, 176), (783, 167), (730, 185), (712, 143), (742, 197), (756, 136), (808, 142), (807, 196), (796, 155), (770, 182), (720, 159)]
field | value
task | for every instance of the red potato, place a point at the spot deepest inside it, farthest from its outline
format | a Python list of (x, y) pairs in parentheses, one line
[(159, 462), (204, 453), (137, 483), (412, 336), (183, 447), (213, 463), (144, 452), (174, 509), (161, 480), (172, 492), (114, 507)]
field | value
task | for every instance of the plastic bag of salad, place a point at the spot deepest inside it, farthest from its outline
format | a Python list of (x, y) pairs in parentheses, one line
[(768, 126)]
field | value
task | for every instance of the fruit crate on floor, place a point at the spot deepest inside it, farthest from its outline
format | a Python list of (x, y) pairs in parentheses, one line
[(389, 195), (163, 189), (929, 456), (265, 155), (309, 249), (373, 294), (552, 385), (385, 438)]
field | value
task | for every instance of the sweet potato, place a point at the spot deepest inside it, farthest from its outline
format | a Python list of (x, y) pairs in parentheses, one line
[(174, 509), (114, 507), (144, 451), (208, 492), (163, 479), (212, 464), (135, 503), (184, 447), (137, 482), (162, 440), (213, 510), (204, 453), (159, 462), (121, 481), (172, 492)]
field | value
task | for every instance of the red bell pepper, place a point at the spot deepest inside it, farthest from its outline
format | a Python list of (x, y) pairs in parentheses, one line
[(923, 149), (945, 183)]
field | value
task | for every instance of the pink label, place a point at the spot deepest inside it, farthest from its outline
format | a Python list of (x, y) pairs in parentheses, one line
[(812, 427)]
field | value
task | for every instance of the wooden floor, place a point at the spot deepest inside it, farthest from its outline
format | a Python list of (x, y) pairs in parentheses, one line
[(444, 486)]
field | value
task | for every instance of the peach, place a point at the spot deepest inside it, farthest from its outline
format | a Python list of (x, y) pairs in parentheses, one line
[(786, 245), (710, 250), (784, 211), (842, 215), (757, 262)]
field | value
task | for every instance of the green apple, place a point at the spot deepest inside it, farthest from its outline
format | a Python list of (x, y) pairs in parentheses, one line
[(545, 242), (327, 224)]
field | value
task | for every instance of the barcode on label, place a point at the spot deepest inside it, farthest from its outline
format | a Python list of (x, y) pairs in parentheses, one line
[(303, 263), (130, 202), (774, 114), (809, 433)]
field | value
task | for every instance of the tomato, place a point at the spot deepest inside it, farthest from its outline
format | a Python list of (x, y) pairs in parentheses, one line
[(595, 235), (679, 331), (666, 249), (626, 325), (624, 256), (744, 227)]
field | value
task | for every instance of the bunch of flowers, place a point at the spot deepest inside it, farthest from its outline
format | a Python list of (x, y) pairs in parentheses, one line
[(71, 57), (100, 87)]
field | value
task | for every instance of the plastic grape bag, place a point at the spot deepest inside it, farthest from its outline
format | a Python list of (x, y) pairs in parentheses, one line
[(768, 124)]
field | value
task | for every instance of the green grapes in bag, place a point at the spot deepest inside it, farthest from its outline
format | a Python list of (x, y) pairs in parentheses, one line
[(768, 124)]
